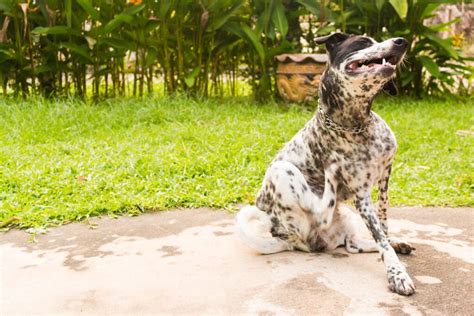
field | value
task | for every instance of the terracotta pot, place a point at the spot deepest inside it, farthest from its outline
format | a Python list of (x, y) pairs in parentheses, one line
[(298, 76)]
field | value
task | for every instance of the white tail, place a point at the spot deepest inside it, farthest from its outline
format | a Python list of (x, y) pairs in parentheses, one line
[(264, 245)]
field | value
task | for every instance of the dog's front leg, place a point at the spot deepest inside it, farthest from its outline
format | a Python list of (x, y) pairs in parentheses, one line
[(382, 206), (398, 279), (382, 200)]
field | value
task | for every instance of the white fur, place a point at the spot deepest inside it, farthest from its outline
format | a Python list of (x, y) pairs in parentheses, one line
[(253, 237)]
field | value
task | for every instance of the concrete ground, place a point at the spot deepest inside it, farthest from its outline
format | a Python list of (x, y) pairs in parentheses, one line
[(191, 262)]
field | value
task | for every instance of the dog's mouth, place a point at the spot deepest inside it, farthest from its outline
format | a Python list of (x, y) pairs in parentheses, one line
[(387, 63)]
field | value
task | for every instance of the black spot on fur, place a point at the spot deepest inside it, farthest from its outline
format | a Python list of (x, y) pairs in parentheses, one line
[(331, 203), (272, 186)]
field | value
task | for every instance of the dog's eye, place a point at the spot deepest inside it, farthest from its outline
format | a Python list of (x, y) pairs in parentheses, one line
[(364, 42)]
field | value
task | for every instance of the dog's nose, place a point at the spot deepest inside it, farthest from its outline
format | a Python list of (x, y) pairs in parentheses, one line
[(400, 42)]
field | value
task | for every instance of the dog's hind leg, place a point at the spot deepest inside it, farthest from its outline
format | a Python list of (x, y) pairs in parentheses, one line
[(346, 230), (349, 232), (287, 185), (284, 189), (355, 244), (327, 205), (286, 196)]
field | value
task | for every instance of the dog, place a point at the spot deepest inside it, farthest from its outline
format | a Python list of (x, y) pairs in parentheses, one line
[(340, 154)]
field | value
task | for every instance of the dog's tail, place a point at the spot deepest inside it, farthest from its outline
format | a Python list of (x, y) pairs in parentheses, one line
[(262, 244)]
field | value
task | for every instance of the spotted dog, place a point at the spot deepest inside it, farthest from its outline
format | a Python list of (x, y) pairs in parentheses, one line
[(340, 154)]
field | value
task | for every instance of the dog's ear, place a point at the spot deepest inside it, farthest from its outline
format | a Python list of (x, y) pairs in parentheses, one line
[(390, 88), (331, 40)]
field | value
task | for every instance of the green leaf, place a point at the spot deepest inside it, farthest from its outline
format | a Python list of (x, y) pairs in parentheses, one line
[(325, 30), (116, 43), (429, 9), (246, 33), (253, 39), (443, 26), (118, 20), (6, 52), (379, 4), (401, 6), (151, 25), (55, 30), (430, 65), (8, 7), (68, 7), (102, 72), (279, 18), (87, 6), (191, 78), (150, 58), (79, 50), (310, 5), (134, 9), (284, 47), (43, 68), (125, 17), (164, 8), (262, 22), (445, 44), (6, 55), (218, 21), (407, 78)]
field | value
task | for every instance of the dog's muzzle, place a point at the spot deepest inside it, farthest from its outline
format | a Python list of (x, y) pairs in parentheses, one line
[(385, 63)]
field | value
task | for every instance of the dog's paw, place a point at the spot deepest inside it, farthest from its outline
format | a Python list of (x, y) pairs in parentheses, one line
[(400, 282), (401, 247)]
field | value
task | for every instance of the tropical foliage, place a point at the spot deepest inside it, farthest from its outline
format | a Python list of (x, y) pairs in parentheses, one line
[(111, 48), (433, 65)]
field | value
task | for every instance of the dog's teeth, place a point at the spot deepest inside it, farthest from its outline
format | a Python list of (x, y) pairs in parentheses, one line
[(383, 61)]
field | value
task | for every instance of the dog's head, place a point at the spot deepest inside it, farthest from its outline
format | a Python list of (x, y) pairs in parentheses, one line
[(362, 65)]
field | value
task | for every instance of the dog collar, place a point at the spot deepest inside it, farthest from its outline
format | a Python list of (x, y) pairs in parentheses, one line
[(329, 124)]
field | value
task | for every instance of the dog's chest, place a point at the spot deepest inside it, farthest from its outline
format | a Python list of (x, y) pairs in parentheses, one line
[(363, 163), (362, 169), (361, 159)]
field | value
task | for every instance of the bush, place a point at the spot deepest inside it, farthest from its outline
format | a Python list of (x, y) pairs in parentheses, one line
[(111, 48)]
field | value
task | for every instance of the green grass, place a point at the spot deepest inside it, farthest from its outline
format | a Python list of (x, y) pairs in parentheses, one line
[(66, 161)]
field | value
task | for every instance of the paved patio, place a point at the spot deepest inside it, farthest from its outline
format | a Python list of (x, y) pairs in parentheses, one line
[(191, 262)]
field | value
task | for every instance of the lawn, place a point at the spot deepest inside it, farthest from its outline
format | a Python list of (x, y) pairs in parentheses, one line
[(66, 161)]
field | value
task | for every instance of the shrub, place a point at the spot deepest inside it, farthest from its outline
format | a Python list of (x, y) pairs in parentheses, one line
[(110, 48)]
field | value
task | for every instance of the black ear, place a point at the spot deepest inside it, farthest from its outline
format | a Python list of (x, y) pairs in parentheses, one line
[(390, 88), (331, 40)]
